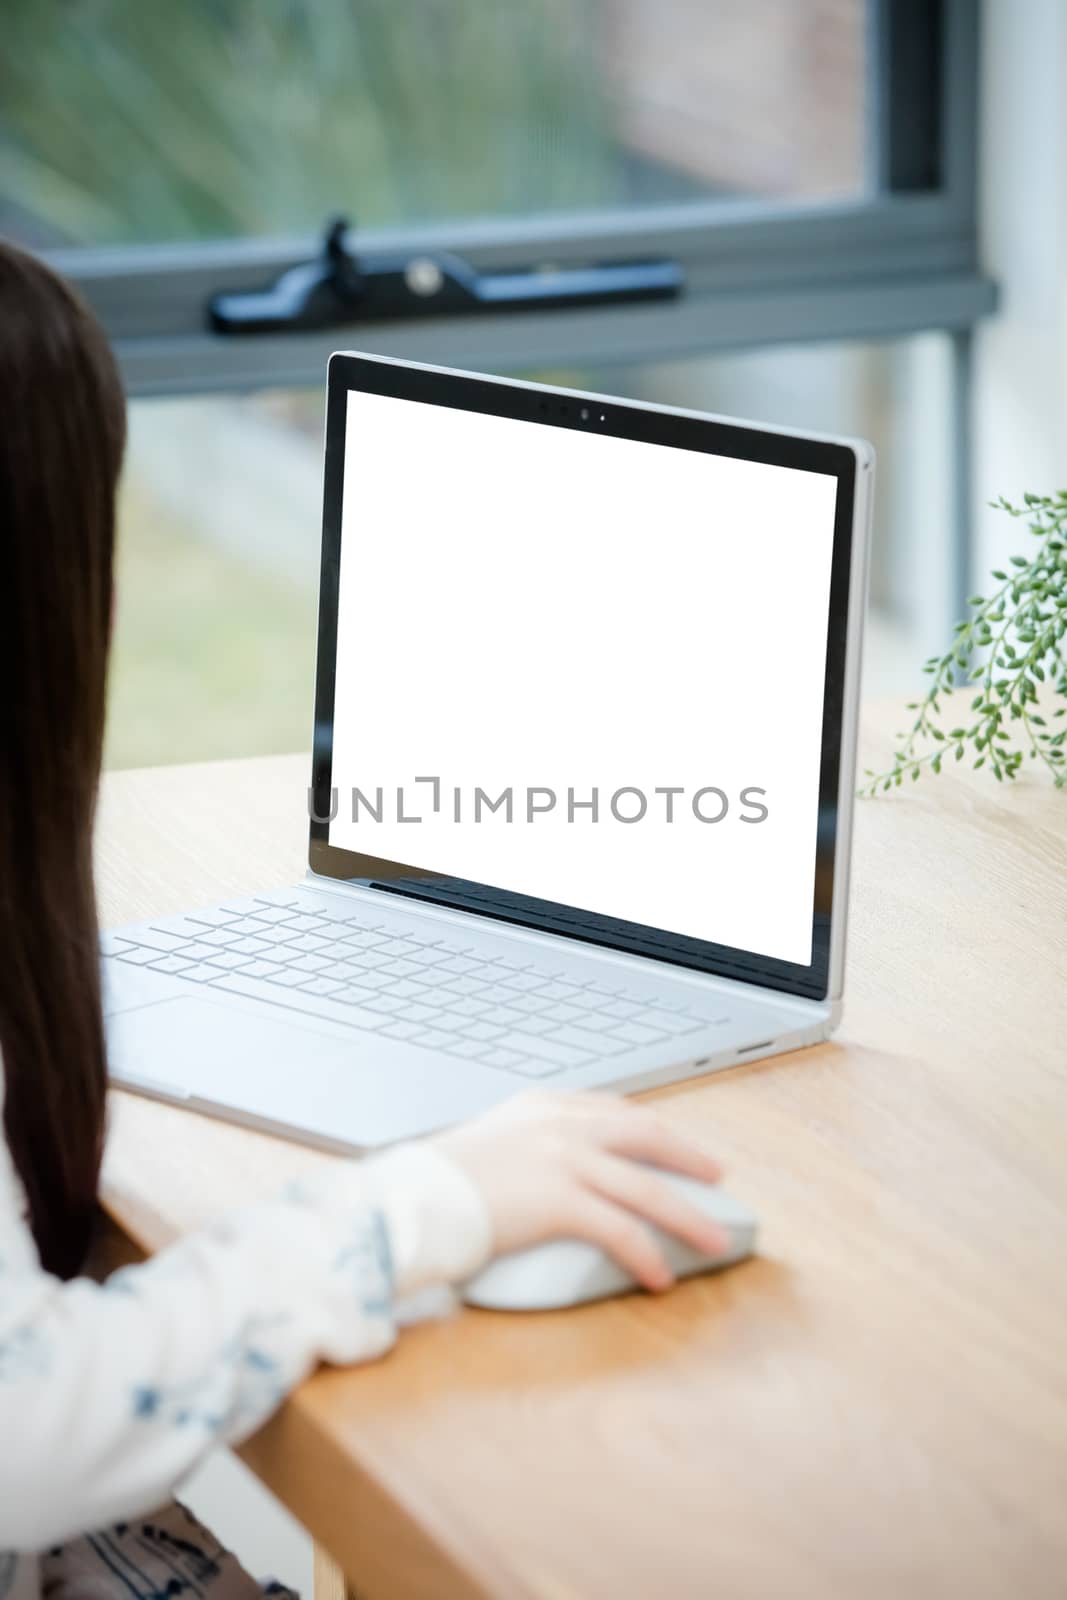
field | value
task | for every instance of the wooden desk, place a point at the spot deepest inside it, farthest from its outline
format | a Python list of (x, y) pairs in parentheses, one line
[(876, 1408)]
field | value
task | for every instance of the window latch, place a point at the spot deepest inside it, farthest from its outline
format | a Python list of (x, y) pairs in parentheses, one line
[(340, 287)]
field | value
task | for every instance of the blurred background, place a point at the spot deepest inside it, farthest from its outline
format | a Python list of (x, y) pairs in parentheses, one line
[(149, 147)]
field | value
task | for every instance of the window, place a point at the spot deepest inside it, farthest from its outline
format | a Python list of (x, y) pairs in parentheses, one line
[(258, 120), (808, 164)]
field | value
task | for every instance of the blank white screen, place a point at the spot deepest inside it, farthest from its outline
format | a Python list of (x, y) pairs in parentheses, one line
[(532, 606)]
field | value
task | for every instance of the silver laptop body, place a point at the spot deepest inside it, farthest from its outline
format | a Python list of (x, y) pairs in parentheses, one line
[(377, 999)]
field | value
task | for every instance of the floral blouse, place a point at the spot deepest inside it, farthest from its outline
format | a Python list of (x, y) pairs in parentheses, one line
[(111, 1394)]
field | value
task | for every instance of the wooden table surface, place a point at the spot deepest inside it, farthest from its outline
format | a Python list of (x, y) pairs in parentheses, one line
[(876, 1407)]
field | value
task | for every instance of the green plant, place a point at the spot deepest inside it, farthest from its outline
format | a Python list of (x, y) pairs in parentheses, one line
[(1008, 648)]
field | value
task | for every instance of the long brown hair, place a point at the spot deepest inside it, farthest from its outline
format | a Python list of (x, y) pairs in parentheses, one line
[(61, 443)]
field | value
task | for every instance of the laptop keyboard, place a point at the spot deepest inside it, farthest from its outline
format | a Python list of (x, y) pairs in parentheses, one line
[(322, 955)]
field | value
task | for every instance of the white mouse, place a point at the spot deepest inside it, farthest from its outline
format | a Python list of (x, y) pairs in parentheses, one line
[(569, 1272)]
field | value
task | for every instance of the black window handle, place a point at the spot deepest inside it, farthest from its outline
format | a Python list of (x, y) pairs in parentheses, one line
[(340, 288)]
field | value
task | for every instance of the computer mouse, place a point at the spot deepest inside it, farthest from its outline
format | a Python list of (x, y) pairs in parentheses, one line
[(569, 1272)]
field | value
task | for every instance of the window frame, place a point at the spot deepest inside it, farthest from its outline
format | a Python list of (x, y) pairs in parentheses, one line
[(902, 260)]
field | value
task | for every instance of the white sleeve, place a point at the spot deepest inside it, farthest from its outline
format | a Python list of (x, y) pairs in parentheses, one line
[(110, 1394)]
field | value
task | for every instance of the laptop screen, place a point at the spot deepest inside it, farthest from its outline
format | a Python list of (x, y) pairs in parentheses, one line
[(579, 678)]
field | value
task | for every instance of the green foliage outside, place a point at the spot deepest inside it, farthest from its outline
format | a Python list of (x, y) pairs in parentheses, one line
[(211, 656), (141, 120)]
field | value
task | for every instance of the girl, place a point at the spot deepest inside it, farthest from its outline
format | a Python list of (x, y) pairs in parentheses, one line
[(111, 1394)]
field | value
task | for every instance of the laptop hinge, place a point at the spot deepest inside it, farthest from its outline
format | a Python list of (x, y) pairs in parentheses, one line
[(806, 1010)]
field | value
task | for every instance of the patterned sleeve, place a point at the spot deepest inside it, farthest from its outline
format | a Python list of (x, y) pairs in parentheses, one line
[(110, 1394)]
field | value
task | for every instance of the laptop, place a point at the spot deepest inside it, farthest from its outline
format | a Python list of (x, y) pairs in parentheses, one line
[(581, 789)]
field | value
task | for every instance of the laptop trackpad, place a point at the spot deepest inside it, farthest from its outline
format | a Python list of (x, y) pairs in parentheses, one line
[(263, 1067)]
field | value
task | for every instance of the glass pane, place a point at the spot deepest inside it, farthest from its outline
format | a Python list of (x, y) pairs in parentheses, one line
[(217, 579), (220, 520), (121, 121)]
